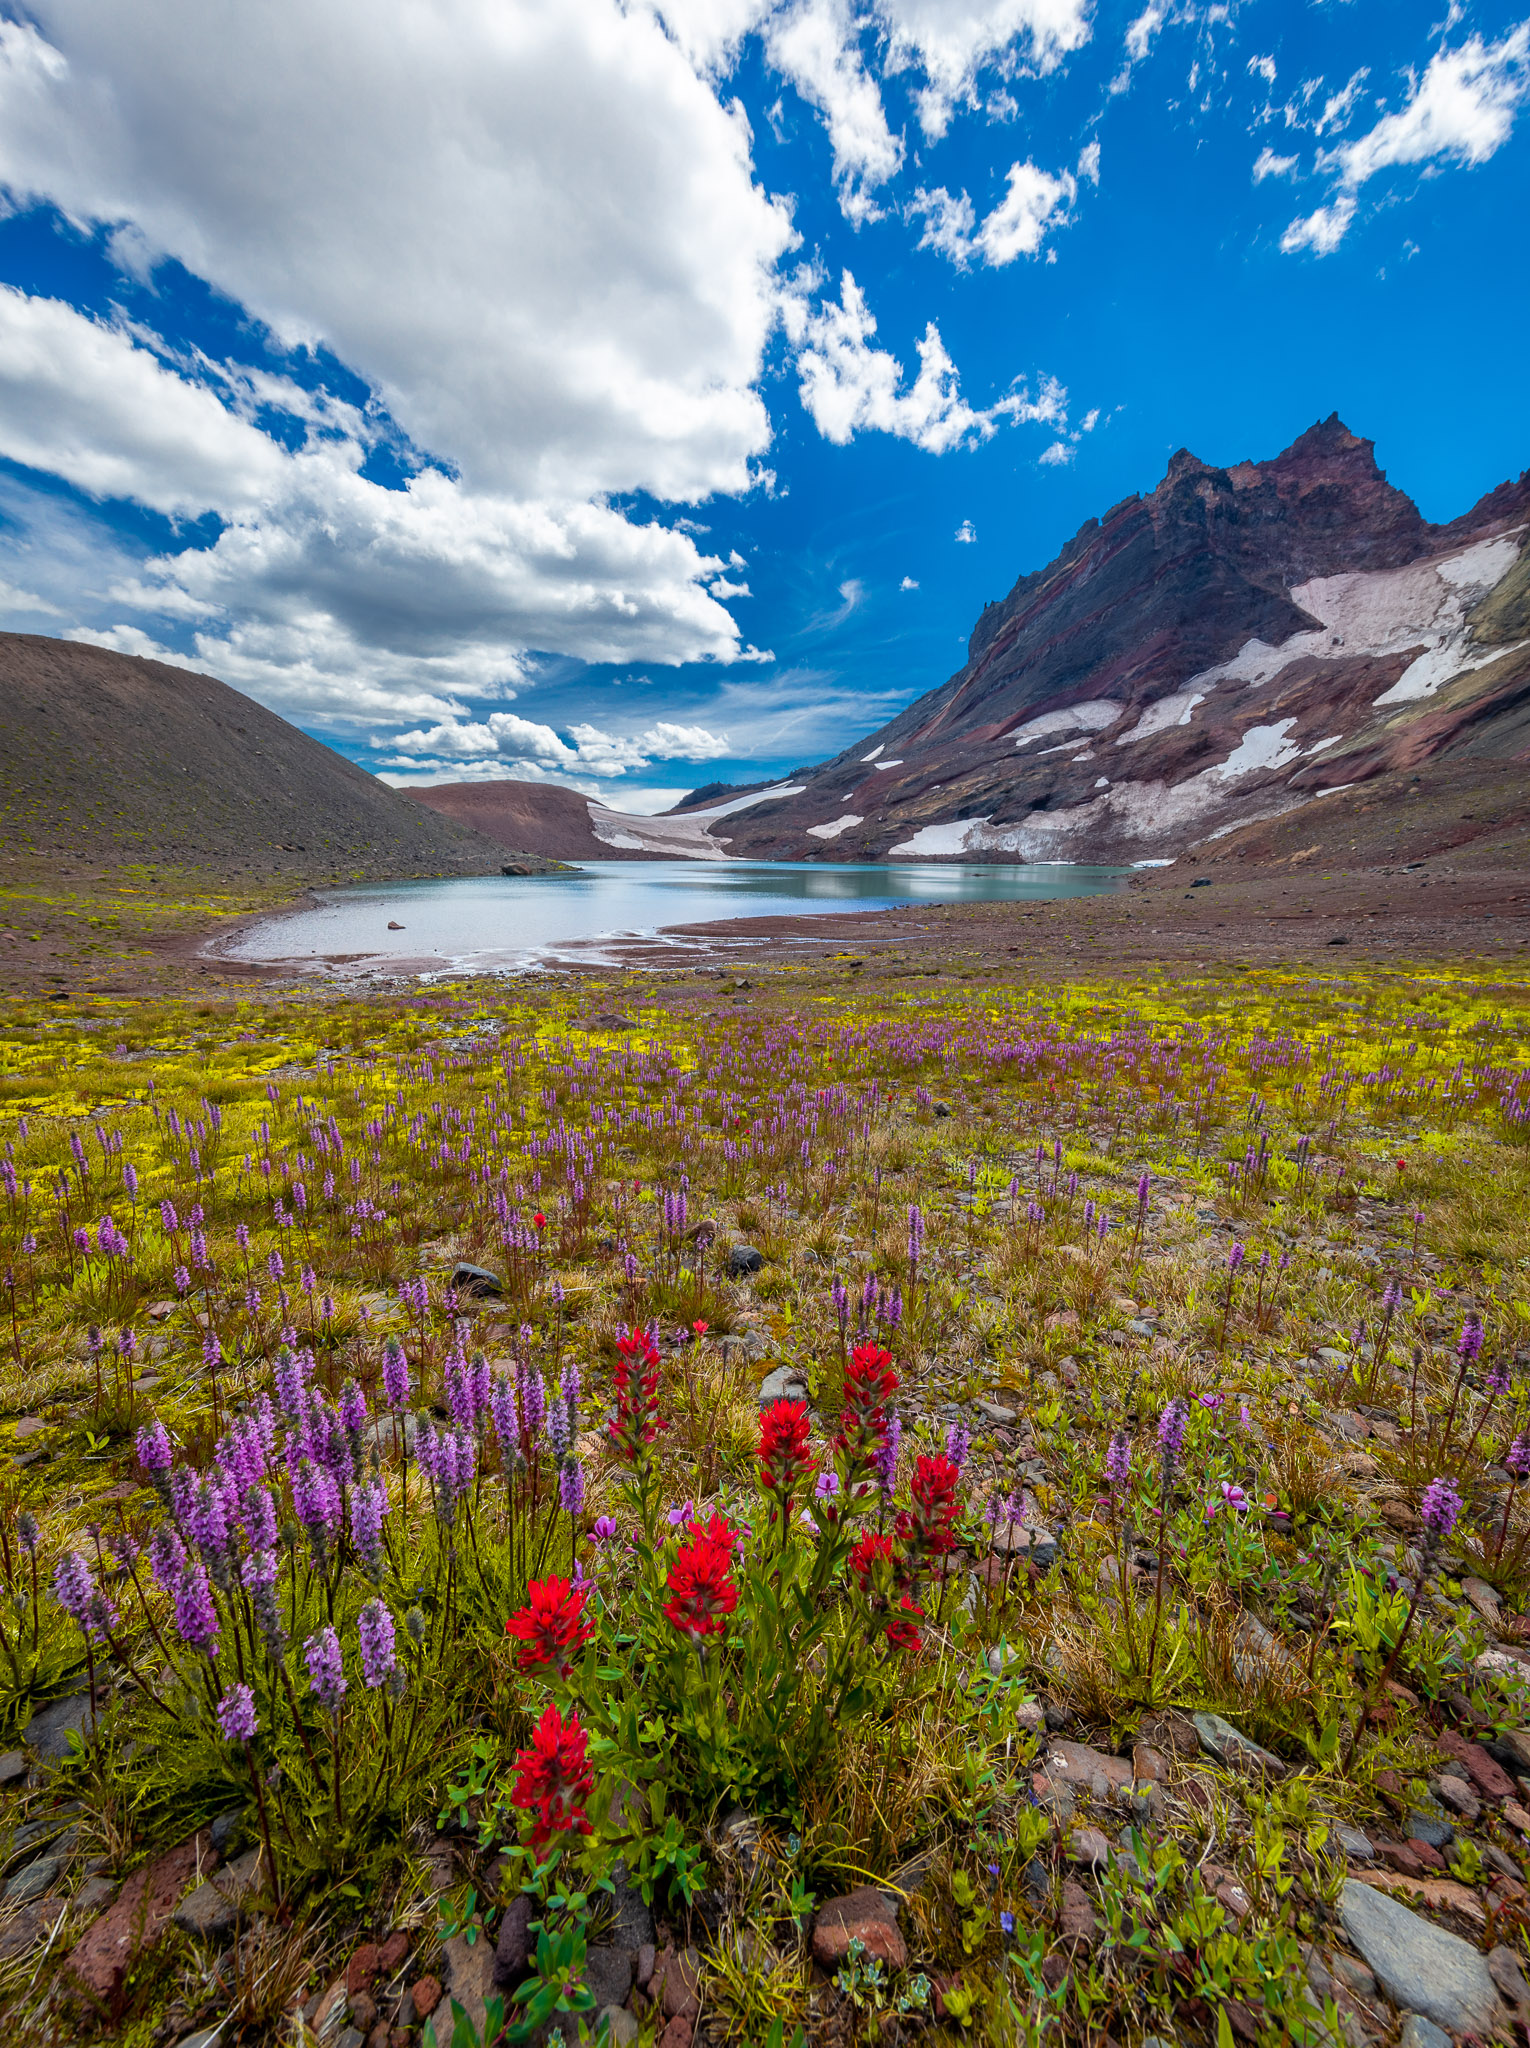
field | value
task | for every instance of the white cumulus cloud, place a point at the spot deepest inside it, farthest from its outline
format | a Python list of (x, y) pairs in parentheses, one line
[(1268, 165), (1034, 202), (1461, 111)]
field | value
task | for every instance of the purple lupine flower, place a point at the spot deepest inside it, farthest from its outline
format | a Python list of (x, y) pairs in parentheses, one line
[(571, 1487), (167, 1557), (155, 1454), (840, 1297), (291, 1384), (379, 1659), (569, 1387), (395, 1374), (884, 1459), (1118, 1461), (170, 1223), (1469, 1343), (74, 1587), (1439, 1508), (1235, 1258), (196, 1612), (1171, 1434), (369, 1504), (1391, 1296), (236, 1714), (326, 1668), (1517, 1457), (958, 1444)]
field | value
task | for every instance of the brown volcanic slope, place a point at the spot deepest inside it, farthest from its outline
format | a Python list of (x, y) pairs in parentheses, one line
[(104, 757), (543, 816), (1214, 655)]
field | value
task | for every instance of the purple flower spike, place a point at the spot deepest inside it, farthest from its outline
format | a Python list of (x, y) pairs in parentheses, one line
[(379, 1661), (1517, 1457), (236, 1714), (1469, 1343), (1235, 1258), (395, 1375), (571, 1487), (155, 1454), (958, 1444), (1440, 1507), (326, 1669), (196, 1612), (1118, 1460), (1171, 1432)]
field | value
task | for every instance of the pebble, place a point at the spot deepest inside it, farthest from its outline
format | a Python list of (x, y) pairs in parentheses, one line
[(1417, 2032), (31, 1882), (1230, 1746), (1421, 1967)]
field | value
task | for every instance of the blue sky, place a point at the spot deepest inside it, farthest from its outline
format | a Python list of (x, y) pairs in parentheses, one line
[(642, 396)]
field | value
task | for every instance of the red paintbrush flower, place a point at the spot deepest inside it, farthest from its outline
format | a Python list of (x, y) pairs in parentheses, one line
[(869, 1556), (784, 1460), (929, 1528), (870, 1384), (904, 1635), (702, 1592), (554, 1779), (551, 1626), (637, 1421)]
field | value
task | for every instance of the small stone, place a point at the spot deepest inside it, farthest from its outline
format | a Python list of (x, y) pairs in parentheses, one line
[(1089, 1847), (1076, 1921), (1504, 1969), (608, 1975), (33, 1880), (1421, 1967), (1354, 1975), (212, 1911), (1171, 1732), (49, 1730), (426, 1993), (618, 2025), (1490, 1779), (784, 1384), (996, 1413), (1234, 1898), (632, 1919), (391, 1954), (225, 1829), (1516, 1740), (642, 1969), (865, 1915), (93, 1897), (13, 1765), (363, 2011), (476, 1282), (1482, 1596), (677, 2034), (512, 1954), (1457, 1795), (362, 1967), (1432, 1828), (1230, 1746), (743, 1259), (136, 1919), (33, 1924), (676, 1983), (1516, 1815), (1148, 1765), (1355, 1844), (1417, 2032), (468, 1970)]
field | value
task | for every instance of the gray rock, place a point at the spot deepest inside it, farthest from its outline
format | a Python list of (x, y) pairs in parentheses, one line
[(1417, 2032), (13, 1765), (512, 1951), (996, 1413), (1422, 1968), (1355, 1844), (784, 1384), (1027, 1543), (1230, 1746), (32, 1881), (211, 1912), (608, 1975), (743, 1259), (49, 1731), (1354, 1976), (227, 1831), (475, 1281), (1504, 1969), (632, 1922), (617, 2026), (1432, 1828), (468, 1977)]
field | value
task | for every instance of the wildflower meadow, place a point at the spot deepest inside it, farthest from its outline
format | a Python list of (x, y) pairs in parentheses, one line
[(995, 1515)]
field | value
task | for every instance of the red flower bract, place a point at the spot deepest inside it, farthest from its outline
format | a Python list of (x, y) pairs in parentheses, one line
[(637, 1421), (702, 1592), (554, 1779), (904, 1635), (784, 1460), (551, 1626), (870, 1384), (868, 1554), (929, 1526)]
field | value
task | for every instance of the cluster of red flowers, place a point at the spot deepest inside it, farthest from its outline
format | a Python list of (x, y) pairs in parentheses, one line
[(784, 1459), (929, 1527), (702, 1592), (554, 1779), (870, 1384), (878, 1566), (551, 1627), (637, 1421)]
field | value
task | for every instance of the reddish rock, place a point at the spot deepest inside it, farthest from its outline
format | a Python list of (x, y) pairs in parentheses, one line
[(677, 2034), (1234, 1898), (426, 1995), (1076, 1920), (676, 1983), (1425, 1854), (1148, 1764), (1172, 1732), (362, 1968), (1074, 1763), (1054, 1970), (1400, 1856), (136, 1919), (1490, 1778), (864, 1915), (363, 2013), (380, 2035), (392, 1952)]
